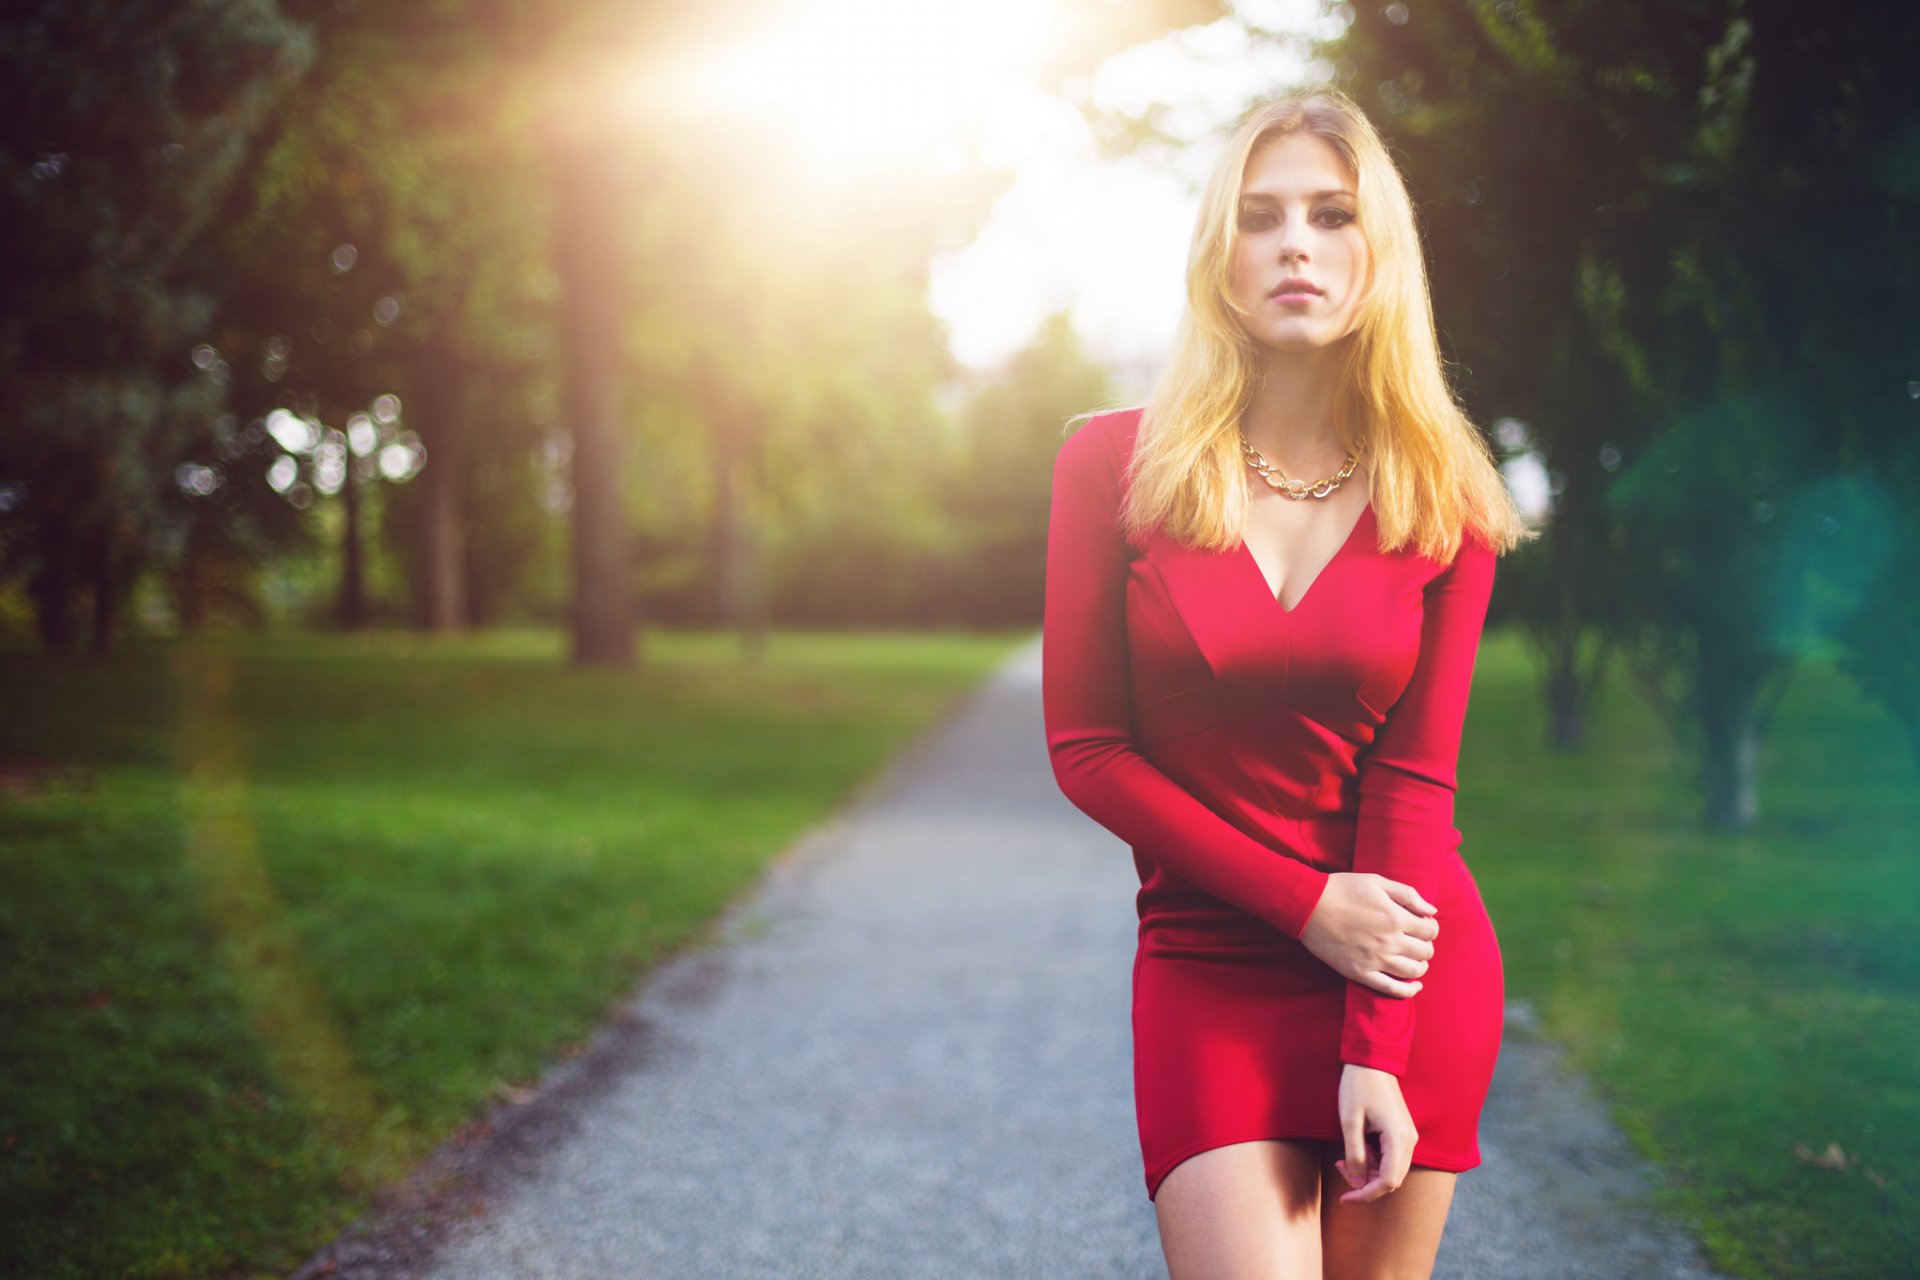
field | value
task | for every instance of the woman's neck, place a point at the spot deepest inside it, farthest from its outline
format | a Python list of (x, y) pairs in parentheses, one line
[(1289, 418)]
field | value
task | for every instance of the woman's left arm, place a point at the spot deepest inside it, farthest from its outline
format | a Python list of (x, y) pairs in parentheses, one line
[(1407, 781)]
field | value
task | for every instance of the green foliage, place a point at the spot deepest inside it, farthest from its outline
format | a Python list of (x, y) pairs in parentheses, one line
[(1613, 275), (445, 300), (389, 229), (1877, 648), (125, 126), (1012, 424)]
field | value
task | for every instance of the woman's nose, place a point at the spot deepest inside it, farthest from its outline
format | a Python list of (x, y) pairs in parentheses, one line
[(1293, 242)]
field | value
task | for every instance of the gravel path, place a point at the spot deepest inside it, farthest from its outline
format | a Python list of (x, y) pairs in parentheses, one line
[(906, 1054)]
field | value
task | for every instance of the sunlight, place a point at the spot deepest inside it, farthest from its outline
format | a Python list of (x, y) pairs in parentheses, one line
[(857, 86)]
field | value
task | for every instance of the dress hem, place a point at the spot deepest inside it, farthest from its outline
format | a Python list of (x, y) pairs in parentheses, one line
[(1447, 1163)]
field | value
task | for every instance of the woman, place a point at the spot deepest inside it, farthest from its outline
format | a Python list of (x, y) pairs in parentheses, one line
[(1259, 682)]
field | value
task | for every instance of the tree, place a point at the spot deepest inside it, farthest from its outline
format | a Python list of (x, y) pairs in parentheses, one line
[(378, 260), (1011, 426), (1606, 274), (124, 125)]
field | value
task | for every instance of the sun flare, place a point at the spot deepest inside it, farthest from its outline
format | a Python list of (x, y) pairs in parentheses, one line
[(858, 86)]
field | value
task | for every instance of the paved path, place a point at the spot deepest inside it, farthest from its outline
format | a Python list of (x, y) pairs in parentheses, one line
[(906, 1054)]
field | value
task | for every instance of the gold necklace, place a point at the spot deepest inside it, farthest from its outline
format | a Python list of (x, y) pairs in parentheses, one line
[(1296, 489)]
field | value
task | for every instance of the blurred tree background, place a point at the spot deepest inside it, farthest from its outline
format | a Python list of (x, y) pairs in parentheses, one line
[(1679, 245), (326, 372), (487, 312), (297, 346)]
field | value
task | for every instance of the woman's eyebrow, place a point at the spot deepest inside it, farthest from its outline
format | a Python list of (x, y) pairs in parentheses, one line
[(1312, 195)]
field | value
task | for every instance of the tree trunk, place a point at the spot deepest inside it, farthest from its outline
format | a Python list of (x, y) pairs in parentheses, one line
[(440, 417), (724, 533), (106, 584), (586, 257), (51, 589), (190, 581), (1567, 714), (353, 597), (751, 557), (739, 585), (1731, 749)]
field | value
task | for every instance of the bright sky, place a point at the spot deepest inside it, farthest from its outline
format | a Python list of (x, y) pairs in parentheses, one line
[(1105, 238), (850, 88)]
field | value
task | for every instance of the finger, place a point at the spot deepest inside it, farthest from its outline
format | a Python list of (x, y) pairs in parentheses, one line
[(1408, 944), (1425, 928), (1396, 1156), (1387, 984), (1373, 1188), (1405, 967), (1409, 897), (1353, 1124)]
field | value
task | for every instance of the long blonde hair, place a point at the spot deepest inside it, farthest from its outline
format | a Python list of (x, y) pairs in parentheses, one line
[(1432, 473)]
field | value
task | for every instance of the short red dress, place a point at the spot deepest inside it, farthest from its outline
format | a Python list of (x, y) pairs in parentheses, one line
[(1245, 752)]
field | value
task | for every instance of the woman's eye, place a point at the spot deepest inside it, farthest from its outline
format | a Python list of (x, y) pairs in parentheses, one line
[(1261, 219)]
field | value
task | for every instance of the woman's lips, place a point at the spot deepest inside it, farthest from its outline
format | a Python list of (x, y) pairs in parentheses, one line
[(1295, 291)]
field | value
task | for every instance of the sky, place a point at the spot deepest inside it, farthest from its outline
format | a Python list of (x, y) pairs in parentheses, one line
[(1107, 239), (849, 89)]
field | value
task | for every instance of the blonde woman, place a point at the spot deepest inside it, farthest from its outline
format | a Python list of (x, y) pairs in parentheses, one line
[(1265, 594)]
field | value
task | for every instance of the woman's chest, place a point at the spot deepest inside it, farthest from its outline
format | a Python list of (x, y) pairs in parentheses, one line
[(1207, 641)]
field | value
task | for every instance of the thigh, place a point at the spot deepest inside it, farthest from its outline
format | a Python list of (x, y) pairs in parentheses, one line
[(1245, 1211), (1395, 1237)]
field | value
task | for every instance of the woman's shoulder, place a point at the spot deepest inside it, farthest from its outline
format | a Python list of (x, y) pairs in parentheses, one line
[(1104, 439), (1120, 425)]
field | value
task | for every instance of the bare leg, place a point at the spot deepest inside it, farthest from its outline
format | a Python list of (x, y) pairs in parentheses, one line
[(1248, 1211), (1395, 1237)]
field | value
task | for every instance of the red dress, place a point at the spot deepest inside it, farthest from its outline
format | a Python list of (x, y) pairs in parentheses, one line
[(1245, 751)]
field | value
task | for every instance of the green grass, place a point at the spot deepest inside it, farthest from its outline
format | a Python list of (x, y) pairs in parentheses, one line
[(312, 900), (1733, 995), (300, 905)]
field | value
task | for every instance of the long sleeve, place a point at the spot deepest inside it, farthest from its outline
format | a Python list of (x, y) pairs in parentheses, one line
[(1087, 709), (1407, 782)]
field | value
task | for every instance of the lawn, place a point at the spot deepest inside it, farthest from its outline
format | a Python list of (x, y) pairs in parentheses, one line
[(1744, 1001), (280, 914)]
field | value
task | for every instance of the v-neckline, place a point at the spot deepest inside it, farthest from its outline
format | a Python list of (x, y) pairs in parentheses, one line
[(1260, 575)]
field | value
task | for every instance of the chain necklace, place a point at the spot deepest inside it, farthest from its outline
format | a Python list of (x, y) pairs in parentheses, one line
[(1296, 489)]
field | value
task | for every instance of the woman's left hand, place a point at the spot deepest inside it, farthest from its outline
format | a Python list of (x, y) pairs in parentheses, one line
[(1370, 1102)]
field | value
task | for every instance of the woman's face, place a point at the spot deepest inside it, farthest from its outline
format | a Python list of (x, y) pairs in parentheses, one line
[(1296, 222)]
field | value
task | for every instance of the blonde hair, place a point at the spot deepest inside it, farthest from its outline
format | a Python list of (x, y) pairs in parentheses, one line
[(1432, 473)]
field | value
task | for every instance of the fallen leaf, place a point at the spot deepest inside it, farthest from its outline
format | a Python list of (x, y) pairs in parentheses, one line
[(517, 1095), (1832, 1158)]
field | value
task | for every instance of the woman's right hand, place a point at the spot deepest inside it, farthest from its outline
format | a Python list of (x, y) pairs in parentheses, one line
[(1376, 931)]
